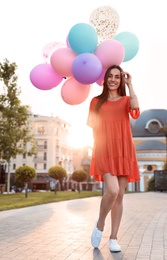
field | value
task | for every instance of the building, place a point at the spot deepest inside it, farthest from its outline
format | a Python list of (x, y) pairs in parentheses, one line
[(52, 141), (150, 138)]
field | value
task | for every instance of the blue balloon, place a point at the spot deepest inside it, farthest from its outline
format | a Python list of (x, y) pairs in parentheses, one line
[(130, 43), (86, 68), (82, 38)]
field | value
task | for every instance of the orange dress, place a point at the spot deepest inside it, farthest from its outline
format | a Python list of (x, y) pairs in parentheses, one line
[(113, 150)]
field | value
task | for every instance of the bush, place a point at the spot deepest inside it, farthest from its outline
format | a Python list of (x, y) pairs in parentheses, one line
[(151, 184), (57, 172), (25, 173), (79, 176)]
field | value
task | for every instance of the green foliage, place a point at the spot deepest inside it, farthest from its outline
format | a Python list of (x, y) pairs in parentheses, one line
[(79, 175), (15, 129), (25, 173), (18, 183), (57, 172), (151, 184)]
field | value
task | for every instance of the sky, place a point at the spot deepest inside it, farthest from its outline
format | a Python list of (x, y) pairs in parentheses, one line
[(28, 26)]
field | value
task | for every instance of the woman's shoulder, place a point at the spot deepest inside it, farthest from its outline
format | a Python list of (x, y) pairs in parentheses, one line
[(125, 98), (94, 99)]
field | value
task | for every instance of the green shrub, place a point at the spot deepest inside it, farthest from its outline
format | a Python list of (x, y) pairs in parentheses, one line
[(79, 176), (151, 184)]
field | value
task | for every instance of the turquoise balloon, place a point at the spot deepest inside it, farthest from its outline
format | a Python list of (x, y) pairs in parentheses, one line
[(130, 43), (82, 38)]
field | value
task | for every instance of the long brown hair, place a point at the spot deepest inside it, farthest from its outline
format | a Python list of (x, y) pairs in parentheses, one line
[(104, 95)]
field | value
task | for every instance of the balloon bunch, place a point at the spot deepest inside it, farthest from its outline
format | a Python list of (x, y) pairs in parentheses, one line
[(89, 50)]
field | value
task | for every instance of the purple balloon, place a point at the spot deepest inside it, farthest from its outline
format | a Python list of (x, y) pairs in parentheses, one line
[(44, 77), (86, 68)]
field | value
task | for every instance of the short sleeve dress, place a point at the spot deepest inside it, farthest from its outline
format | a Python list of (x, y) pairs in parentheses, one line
[(113, 150)]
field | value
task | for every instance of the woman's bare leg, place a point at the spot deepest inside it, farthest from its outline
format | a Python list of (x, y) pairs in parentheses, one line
[(108, 199), (117, 208)]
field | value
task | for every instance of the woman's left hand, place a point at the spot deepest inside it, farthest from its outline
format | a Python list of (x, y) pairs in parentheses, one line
[(127, 78)]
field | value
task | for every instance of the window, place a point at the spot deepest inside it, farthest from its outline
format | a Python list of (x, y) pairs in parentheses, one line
[(153, 126), (14, 166), (41, 130), (149, 167), (45, 156)]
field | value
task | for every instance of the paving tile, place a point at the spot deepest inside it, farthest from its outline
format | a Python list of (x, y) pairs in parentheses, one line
[(59, 231)]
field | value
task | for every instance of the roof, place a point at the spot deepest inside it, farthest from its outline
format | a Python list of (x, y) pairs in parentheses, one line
[(139, 126), (151, 145)]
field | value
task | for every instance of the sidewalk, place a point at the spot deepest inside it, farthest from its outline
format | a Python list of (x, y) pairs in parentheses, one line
[(62, 230)]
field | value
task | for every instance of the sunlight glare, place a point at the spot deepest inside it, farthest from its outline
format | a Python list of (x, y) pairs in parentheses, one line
[(81, 136)]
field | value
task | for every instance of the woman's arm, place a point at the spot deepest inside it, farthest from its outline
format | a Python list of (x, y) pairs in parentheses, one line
[(134, 103)]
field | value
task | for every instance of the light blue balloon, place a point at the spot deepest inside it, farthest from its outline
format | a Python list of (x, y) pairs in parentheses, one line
[(82, 38), (130, 43)]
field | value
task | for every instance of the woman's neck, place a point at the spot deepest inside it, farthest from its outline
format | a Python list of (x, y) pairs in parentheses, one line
[(113, 95)]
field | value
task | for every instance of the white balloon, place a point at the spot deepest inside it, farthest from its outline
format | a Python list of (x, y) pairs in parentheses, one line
[(50, 48), (105, 20)]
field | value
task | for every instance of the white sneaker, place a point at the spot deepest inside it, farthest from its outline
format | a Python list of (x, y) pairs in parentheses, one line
[(96, 237), (114, 246)]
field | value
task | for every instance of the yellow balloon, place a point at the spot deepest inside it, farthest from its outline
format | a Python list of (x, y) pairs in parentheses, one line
[(105, 20)]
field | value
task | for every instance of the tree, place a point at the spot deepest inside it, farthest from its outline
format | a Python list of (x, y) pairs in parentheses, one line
[(25, 174), (57, 172), (79, 176), (15, 127)]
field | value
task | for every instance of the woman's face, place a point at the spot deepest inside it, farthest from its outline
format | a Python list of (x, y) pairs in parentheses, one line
[(114, 79)]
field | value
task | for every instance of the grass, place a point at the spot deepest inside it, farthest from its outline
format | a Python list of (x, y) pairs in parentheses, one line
[(19, 200)]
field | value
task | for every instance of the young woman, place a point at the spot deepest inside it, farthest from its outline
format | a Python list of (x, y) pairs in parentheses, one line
[(114, 158)]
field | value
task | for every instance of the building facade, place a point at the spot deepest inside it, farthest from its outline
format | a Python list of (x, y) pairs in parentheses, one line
[(150, 138), (52, 141), (53, 147)]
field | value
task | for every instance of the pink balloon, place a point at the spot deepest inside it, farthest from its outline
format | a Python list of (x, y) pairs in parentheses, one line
[(73, 92), (44, 77), (50, 48), (61, 61), (110, 52), (101, 78)]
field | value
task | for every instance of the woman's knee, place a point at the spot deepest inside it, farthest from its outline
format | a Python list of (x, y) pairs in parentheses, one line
[(113, 192), (120, 195), (111, 185)]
